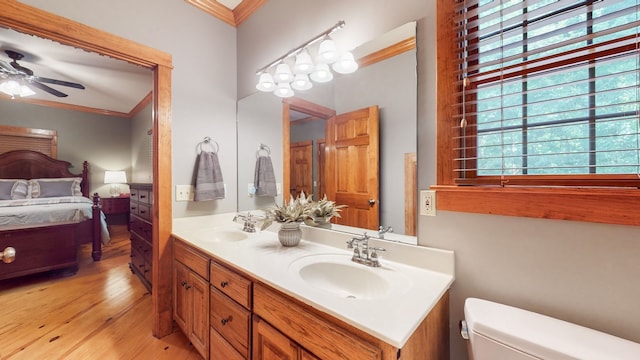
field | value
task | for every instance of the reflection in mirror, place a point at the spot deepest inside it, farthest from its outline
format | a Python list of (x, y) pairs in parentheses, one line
[(386, 80)]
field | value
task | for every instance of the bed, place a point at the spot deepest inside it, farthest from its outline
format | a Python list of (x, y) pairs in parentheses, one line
[(48, 218)]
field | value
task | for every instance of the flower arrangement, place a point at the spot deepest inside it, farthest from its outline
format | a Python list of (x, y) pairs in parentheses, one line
[(302, 209), (297, 210), (324, 210)]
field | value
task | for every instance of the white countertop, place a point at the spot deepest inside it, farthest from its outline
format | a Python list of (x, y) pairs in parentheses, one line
[(392, 318)]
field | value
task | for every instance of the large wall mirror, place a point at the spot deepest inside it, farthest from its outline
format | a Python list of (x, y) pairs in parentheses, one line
[(386, 80)]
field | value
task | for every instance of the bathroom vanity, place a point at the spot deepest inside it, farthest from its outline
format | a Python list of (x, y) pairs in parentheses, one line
[(239, 295)]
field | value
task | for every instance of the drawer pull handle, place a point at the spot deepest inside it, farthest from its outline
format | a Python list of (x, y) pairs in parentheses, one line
[(187, 286), (8, 255), (224, 284), (226, 320)]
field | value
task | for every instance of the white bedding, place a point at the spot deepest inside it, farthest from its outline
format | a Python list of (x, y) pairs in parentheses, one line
[(39, 211)]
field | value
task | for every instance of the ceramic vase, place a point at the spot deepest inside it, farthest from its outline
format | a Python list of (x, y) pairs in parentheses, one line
[(290, 234), (322, 223)]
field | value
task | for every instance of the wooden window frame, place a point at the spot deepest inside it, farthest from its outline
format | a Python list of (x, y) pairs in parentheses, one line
[(590, 204)]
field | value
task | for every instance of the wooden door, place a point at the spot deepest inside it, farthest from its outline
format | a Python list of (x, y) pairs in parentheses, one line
[(301, 168), (270, 344), (353, 166)]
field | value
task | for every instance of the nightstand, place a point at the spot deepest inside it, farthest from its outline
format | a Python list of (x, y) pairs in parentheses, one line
[(116, 205)]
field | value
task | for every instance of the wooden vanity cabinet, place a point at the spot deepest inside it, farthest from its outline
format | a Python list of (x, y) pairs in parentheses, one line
[(325, 337), (191, 295), (229, 315)]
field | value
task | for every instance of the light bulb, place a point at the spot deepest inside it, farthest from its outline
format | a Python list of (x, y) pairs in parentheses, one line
[(301, 82), (321, 73), (266, 83), (303, 64), (283, 73), (327, 53), (346, 64), (283, 90)]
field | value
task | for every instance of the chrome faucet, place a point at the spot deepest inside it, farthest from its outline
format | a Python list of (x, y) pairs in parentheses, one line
[(363, 253), (249, 222), (382, 230)]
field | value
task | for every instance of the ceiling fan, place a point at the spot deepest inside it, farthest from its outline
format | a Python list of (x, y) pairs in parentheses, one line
[(21, 74)]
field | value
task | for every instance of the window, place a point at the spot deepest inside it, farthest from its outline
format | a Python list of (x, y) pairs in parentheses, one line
[(547, 93), (546, 125)]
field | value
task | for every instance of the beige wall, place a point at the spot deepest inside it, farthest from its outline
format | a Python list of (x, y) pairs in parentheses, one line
[(104, 141), (581, 272)]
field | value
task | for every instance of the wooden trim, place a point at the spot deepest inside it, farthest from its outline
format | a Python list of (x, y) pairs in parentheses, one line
[(388, 52), (410, 193), (610, 206), (232, 17), (446, 88), (141, 105), (309, 107), (50, 138), (30, 20)]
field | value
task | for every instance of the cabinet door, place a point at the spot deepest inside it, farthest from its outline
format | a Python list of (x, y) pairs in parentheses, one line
[(270, 344), (181, 303), (198, 290), (308, 356)]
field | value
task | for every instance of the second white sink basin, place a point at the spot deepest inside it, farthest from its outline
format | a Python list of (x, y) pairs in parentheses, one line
[(337, 275), (221, 235)]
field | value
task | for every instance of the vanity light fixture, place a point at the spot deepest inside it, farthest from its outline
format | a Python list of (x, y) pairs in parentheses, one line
[(295, 72)]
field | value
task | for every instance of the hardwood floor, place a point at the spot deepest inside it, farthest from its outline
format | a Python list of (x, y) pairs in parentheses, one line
[(101, 312)]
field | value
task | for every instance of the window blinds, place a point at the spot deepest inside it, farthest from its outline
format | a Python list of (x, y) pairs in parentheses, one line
[(549, 92)]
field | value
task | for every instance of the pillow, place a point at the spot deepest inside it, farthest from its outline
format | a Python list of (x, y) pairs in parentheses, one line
[(13, 189), (54, 187)]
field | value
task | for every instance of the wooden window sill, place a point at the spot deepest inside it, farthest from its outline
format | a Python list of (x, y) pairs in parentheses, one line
[(601, 205)]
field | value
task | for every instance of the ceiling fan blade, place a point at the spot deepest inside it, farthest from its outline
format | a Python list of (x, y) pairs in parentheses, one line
[(59, 82), (6, 68), (21, 68), (44, 87)]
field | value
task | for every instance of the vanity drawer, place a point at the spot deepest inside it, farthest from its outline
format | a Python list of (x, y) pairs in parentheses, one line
[(220, 349), (324, 338), (192, 259), (231, 284), (144, 211), (144, 196), (231, 320)]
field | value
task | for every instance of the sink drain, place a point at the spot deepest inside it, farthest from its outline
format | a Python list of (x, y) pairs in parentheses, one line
[(351, 297)]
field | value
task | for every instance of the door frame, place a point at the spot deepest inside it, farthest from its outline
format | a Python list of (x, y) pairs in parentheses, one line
[(297, 104), (33, 21)]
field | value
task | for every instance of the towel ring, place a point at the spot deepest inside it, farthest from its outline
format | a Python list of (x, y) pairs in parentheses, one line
[(210, 143), (264, 148)]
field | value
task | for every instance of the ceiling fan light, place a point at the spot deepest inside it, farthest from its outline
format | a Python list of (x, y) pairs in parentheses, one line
[(346, 64), (301, 82), (13, 88), (266, 83), (283, 73), (321, 74), (327, 53), (283, 90), (303, 64)]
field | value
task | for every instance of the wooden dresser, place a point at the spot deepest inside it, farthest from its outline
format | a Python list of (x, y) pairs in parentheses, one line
[(140, 226)]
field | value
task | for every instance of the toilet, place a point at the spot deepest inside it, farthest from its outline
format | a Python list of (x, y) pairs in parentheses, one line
[(500, 332)]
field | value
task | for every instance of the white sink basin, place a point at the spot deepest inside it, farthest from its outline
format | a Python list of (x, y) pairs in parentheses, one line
[(337, 275), (221, 235)]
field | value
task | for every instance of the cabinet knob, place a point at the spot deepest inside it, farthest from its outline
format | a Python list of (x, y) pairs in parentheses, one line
[(8, 255), (226, 320), (183, 283), (187, 286), (224, 284)]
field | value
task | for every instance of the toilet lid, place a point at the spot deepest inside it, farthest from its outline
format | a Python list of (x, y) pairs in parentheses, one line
[(543, 336)]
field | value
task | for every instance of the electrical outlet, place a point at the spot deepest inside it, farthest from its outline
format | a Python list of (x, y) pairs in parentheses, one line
[(428, 202), (184, 192)]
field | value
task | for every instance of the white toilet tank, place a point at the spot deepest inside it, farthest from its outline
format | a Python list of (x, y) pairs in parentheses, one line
[(501, 332)]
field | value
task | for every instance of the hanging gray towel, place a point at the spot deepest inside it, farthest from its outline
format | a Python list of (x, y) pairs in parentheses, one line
[(264, 178), (209, 183)]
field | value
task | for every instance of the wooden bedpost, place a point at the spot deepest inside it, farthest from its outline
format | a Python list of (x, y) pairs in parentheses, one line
[(96, 236)]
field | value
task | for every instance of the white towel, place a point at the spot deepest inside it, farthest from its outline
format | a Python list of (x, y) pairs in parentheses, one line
[(209, 182), (264, 178)]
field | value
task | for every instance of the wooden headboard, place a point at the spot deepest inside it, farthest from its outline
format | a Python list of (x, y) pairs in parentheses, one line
[(27, 164)]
